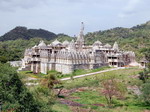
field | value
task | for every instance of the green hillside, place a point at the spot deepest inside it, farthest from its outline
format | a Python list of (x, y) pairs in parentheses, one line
[(133, 39)]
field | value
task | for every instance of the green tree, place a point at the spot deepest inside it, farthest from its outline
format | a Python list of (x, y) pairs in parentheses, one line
[(112, 87), (50, 81), (146, 93), (144, 76), (3, 59), (13, 94), (146, 52), (44, 97)]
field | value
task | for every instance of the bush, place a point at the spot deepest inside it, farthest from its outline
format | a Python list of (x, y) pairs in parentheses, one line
[(146, 93), (14, 95)]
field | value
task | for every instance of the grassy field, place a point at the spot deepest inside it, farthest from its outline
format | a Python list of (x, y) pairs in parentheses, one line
[(95, 100), (57, 107), (84, 94), (94, 80), (92, 98), (80, 72)]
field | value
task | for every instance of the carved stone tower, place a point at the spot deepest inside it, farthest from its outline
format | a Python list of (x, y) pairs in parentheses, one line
[(80, 39)]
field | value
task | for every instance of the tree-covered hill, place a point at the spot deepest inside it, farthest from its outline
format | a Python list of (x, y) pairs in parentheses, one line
[(133, 39), (24, 33), (119, 33)]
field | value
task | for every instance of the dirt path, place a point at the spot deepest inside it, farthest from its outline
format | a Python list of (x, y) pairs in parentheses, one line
[(79, 76)]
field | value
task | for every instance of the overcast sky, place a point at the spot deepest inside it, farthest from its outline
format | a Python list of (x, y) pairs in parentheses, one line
[(65, 16)]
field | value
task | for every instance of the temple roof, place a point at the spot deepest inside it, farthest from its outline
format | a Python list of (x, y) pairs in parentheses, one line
[(115, 46), (97, 43), (41, 44), (34, 46), (107, 45), (71, 45), (143, 60), (56, 42), (66, 42)]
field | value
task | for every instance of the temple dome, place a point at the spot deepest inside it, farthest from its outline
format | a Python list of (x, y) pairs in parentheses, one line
[(107, 45), (71, 45), (41, 44), (56, 42), (97, 43), (65, 43), (95, 47)]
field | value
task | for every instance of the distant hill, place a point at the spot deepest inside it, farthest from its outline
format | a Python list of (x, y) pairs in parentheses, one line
[(119, 33), (24, 33), (131, 39)]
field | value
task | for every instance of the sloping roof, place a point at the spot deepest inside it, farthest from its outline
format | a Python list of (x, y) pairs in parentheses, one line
[(97, 43), (42, 44), (143, 60), (56, 42), (66, 42), (107, 45)]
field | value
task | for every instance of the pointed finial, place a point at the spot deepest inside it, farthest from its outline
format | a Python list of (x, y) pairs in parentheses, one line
[(82, 26)]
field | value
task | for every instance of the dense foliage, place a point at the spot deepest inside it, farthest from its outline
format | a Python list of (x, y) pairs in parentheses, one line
[(145, 77), (145, 74), (13, 50), (146, 93), (132, 39), (13, 94)]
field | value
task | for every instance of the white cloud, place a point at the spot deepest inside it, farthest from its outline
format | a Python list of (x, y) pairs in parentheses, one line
[(66, 15), (12, 5)]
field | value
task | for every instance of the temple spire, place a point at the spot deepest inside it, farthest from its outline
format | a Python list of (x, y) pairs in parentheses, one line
[(115, 46), (80, 38), (82, 27)]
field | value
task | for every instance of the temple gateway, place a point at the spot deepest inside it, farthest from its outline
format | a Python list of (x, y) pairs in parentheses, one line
[(68, 56)]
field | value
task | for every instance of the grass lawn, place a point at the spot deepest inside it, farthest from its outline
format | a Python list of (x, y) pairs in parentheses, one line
[(94, 80), (57, 107), (81, 72), (89, 98)]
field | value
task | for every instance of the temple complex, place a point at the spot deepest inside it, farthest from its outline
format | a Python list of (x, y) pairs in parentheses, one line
[(68, 56)]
